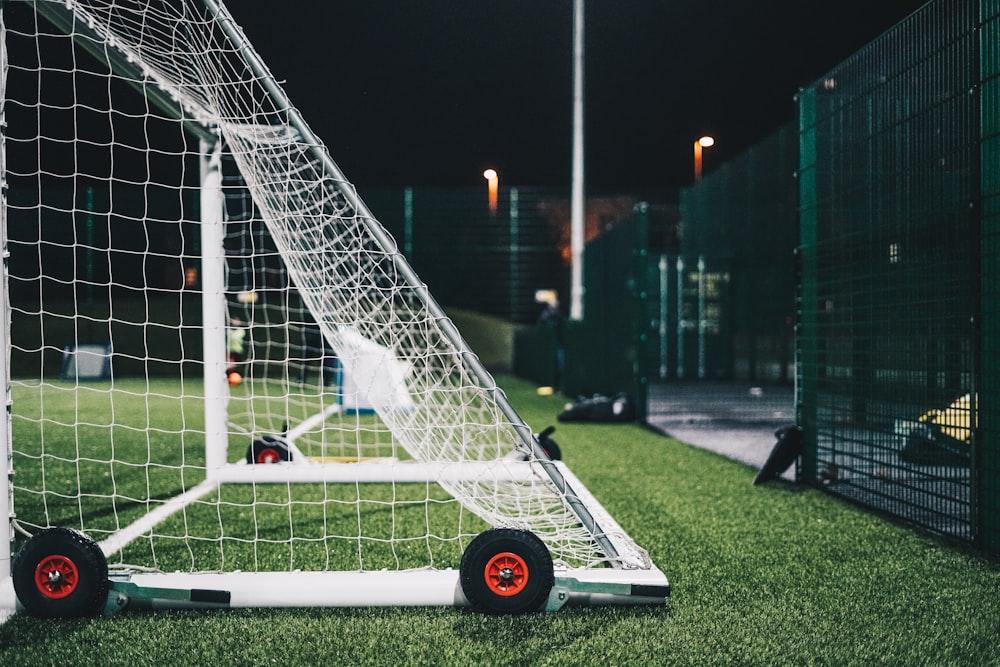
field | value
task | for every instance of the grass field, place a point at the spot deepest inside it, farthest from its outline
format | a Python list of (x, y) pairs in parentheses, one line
[(766, 575)]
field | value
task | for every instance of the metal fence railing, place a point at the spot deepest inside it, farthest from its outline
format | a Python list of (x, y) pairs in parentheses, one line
[(475, 258), (613, 349), (988, 207), (898, 186), (856, 253), (735, 279)]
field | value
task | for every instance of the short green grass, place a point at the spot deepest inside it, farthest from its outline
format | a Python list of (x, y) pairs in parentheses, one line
[(766, 575)]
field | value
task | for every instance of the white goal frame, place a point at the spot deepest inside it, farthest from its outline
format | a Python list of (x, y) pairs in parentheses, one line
[(617, 571)]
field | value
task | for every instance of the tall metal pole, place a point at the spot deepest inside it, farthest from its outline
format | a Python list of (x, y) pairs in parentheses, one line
[(577, 196)]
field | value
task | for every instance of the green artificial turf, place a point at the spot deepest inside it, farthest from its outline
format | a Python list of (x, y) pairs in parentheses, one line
[(761, 575)]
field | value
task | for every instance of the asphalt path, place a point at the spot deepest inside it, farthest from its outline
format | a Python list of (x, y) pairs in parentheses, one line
[(734, 420)]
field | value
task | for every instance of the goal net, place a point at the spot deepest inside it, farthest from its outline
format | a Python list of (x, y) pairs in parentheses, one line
[(287, 417)]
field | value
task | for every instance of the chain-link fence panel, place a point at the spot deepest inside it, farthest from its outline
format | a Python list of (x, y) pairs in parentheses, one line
[(892, 181)]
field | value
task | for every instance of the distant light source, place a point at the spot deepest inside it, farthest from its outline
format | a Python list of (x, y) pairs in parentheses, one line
[(493, 185), (703, 142)]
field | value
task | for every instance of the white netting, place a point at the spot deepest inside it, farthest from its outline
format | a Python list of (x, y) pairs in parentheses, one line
[(109, 107)]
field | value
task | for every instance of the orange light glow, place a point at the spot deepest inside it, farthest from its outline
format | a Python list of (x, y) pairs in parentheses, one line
[(704, 142), (493, 186)]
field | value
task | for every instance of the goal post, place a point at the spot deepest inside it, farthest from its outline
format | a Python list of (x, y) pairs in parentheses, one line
[(213, 302), (292, 419)]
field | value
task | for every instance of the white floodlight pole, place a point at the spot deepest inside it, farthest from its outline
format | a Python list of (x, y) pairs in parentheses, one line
[(577, 197)]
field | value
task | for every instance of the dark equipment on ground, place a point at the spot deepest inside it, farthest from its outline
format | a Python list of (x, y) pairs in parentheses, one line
[(786, 450), (600, 408), (941, 437)]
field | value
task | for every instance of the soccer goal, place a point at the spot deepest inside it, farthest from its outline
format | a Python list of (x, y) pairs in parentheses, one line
[(288, 418)]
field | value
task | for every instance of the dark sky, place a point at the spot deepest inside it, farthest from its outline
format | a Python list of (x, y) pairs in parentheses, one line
[(431, 92)]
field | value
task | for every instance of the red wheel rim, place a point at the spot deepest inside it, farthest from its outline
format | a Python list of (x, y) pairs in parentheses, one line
[(506, 574), (268, 455), (56, 577)]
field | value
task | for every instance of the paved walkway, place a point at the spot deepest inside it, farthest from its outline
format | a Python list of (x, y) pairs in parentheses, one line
[(735, 420)]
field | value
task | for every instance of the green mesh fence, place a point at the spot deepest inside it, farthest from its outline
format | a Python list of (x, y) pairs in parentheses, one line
[(495, 262), (989, 209), (729, 297), (898, 185), (490, 262), (614, 349)]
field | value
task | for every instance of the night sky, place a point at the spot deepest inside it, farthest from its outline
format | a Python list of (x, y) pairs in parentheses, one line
[(431, 92)]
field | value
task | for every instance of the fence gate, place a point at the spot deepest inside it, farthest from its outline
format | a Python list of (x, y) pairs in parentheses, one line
[(693, 334)]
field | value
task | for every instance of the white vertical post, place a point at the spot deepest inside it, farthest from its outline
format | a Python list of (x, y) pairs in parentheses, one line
[(664, 283), (577, 219), (213, 307), (680, 317), (701, 317), (6, 455)]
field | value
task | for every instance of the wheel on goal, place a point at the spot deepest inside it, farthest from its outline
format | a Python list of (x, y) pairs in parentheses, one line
[(61, 573), (506, 571), (268, 449)]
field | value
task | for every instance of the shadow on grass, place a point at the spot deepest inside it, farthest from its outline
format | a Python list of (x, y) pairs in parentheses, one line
[(544, 631)]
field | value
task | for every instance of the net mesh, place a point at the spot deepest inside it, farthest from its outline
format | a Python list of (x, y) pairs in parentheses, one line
[(340, 353)]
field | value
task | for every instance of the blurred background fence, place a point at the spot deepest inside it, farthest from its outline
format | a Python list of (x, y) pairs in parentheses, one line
[(854, 253), (491, 262), (737, 270)]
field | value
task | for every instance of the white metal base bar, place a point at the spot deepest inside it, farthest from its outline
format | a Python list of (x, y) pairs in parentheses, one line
[(414, 588), (422, 588), (373, 471)]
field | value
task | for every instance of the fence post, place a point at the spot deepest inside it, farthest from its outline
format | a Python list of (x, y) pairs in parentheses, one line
[(515, 249), (408, 223), (640, 266), (680, 317), (807, 350), (663, 275), (986, 205)]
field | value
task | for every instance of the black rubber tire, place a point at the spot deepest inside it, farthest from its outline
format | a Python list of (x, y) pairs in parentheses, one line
[(268, 449), (61, 573), (506, 571)]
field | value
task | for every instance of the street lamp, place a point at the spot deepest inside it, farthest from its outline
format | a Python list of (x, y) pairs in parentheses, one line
[(704, 142), (492, 185)]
